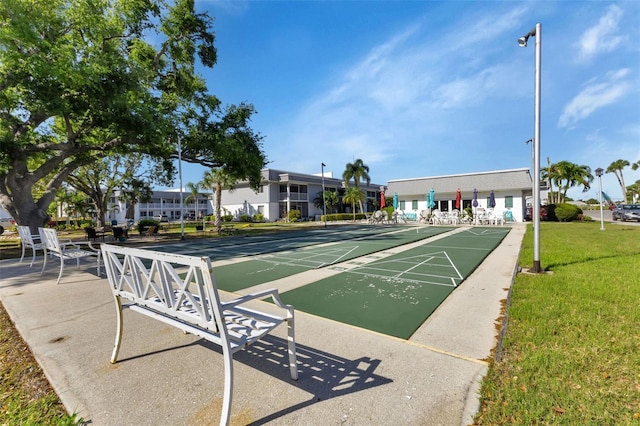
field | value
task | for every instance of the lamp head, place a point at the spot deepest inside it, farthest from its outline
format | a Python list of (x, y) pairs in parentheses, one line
[(599, 172), (522, 41)]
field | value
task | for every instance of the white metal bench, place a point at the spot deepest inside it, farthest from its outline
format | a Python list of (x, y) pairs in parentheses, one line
[(181, 291), (68, 250)]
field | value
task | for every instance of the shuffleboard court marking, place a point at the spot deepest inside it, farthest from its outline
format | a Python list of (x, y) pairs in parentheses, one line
[(386, 270)]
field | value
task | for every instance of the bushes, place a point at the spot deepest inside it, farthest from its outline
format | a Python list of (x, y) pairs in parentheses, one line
[(561, 213), (144, 224), (567, 212), (294, 215), (343, 216)]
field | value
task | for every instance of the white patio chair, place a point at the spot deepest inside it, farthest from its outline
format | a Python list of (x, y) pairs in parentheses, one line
[(424, 216), (67, 250), (438, 218), (377, 216), (29, 241), (454, 217)]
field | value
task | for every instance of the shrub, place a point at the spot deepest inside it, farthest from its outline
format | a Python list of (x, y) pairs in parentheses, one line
[(567, 212), (342, 216), (245, 218), (548, 213), (144, 224), (258, 217), (227, 217), (294, 215)]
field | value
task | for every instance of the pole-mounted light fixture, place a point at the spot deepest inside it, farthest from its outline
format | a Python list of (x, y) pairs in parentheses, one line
[(599, 174), (522, 42), (324, 201)]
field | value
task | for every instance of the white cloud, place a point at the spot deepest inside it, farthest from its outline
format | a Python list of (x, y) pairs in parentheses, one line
[(603, 37), (595, 95)]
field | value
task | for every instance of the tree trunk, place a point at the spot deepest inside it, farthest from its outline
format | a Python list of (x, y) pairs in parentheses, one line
[(218, 220)]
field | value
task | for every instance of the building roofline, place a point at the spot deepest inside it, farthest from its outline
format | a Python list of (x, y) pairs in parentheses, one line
[(493, 172)]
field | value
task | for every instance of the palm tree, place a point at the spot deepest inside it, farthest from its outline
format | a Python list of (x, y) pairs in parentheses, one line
[(353, 195), (357, 171), (330, 198), (616, 168), (194, 192), (565, 175), (218, 179)]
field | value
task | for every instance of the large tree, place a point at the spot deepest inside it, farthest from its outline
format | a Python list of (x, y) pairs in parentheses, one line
[(354, 195), (616, 168), (218, 179), (565, 175), (82, 79), (101, 178), (358, 171)]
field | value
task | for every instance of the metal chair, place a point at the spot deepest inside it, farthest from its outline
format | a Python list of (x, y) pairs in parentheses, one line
[(27, 240)]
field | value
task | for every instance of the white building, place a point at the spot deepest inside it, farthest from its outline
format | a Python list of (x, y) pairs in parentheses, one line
[(511, 188), (164, 203), (281, 191)]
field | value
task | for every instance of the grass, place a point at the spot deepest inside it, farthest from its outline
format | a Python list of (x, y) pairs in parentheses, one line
[(571, 353), (26, 398)]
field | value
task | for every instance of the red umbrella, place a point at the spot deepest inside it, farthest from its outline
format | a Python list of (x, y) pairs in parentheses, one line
[(382, 204), (458, 198)]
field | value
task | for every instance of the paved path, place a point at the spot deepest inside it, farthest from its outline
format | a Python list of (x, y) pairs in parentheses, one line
[(347, 375)]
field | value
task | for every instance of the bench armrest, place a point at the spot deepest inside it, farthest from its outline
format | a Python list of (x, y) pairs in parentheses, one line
[(77, 244), (273, 292)]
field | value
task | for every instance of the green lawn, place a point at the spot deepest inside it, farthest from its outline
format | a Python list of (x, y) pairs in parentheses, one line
[(571, 352)]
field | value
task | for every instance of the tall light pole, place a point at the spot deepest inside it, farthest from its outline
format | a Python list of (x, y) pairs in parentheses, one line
[(599, 174), (180, 179), (522, 42), (324, 201)]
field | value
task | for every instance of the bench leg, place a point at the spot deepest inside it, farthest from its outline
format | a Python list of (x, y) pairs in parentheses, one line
[(291, 341), (228, 386), (61, 269), (116, 345)]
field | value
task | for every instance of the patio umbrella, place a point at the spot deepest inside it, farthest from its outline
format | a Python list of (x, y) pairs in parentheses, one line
[(458, 199), (475, 197), (395, 201), (382, 202), (492, 199), (432, 199)]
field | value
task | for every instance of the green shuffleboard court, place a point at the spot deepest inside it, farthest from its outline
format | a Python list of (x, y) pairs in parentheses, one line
[(279, 264), (396, 294)]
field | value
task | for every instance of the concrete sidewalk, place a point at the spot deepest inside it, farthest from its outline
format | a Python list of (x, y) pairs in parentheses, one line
[(347, 375)]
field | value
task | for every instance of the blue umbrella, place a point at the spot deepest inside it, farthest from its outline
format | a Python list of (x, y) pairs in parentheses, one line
[(395, 201), (492, 199), (475, 197), (431, 201)]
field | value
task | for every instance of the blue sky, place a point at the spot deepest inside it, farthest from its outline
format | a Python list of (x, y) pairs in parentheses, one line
[(427, 88)]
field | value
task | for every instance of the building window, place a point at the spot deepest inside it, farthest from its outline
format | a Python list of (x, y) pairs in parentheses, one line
[(414, 204), (401, 205), (508, 201)]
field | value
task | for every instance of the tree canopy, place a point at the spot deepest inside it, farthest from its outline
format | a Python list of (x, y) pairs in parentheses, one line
[(85, 79)]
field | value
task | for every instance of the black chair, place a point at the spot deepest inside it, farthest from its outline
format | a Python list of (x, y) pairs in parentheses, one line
[(92, 234)]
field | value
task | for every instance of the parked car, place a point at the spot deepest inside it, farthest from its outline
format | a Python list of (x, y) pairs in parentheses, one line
[(162, 218), (6, 223), (626, 212)]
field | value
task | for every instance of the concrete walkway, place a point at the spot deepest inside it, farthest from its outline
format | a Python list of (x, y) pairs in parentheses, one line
[(347, 375)]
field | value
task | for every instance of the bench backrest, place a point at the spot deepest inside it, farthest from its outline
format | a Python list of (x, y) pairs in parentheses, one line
[(180, 286), (25, 235), (49, 239)]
